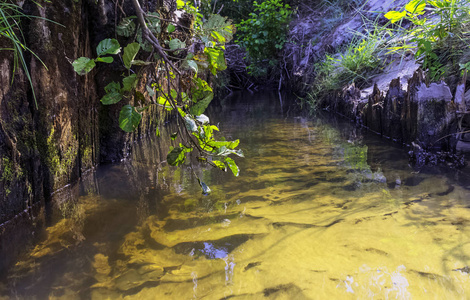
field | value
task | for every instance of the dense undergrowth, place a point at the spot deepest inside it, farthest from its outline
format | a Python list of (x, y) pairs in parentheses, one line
[(436, 33)]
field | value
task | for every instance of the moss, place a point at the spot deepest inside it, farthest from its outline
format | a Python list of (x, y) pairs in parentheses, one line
[(60, 166), (9, 172)]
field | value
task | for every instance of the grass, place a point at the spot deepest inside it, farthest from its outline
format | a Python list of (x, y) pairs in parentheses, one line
[(446, 35), (10, 30)]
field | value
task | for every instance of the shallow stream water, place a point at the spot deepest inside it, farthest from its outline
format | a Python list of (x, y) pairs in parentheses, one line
[(321, 210)]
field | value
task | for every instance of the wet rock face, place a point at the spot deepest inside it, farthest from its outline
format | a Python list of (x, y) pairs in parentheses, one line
[(423, 114), (44, 148)]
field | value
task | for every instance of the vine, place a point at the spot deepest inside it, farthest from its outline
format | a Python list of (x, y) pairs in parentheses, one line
[(185, 52)]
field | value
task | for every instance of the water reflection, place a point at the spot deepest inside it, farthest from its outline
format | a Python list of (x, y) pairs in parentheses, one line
[(318, 212)]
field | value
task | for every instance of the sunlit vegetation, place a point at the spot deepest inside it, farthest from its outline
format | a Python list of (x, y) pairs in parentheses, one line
[(170, 60), (434, 32)]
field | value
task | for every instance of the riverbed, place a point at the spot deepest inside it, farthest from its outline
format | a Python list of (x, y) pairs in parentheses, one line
[(321, 210)]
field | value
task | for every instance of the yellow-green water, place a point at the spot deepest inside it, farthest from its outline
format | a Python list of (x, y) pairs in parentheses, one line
[(318, 212)]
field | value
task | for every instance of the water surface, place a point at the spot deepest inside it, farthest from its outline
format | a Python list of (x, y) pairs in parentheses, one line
[(320, 210)]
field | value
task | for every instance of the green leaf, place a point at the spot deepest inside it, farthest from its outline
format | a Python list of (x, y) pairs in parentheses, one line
[(107, 59), (83, 65), (163, 101), (416, 7), (201, 105), (174, 135), (218, 26), (219, 165), (216, 59), (179, 4), (170, 28), (176, 44), (112, 87), (177, 155), (126, 27), (233, 166), (111, 98), (130, 51), (153, 22), (129, 118), (129, 83), (191, 65), (108, 46), (395, 16)]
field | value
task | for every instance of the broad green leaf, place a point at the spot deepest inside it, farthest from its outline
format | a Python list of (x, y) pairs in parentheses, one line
[(218, 37), (83, 65), (107, 59), (216, 59), (224, 151), (191, 65), (130, 51), (179, 4), (111, 98), (126, 27), (129, 118), (112, 87), (129, 83), (221, 26), (202, 94), (233, 166), (416, 7), (176, 44), (395, 16), (163, 101), (108, 46), (201, 105), (219, 165), (170, 28), (177, 155)]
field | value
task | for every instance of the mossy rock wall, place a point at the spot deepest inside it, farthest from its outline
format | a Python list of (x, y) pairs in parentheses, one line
[(45, 148)]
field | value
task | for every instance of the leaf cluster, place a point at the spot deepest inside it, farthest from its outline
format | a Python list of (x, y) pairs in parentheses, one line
[(172, 67), (264, 33), (435, 25)]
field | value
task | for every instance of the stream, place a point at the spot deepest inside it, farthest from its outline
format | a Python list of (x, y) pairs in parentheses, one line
[(321, 210)]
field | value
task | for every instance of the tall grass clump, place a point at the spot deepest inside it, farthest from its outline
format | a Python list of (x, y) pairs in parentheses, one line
[(363, 56), (10, 31)]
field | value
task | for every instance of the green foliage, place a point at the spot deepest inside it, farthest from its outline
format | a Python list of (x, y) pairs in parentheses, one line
[(362, 56), (435, 26), (264, 33), (129, 118), (10, 30), (84, 65), (164, 80)]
